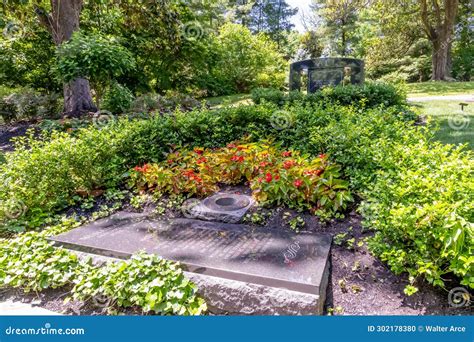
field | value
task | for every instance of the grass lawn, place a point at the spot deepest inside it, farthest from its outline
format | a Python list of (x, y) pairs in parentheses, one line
[(236, 99), (439, 88), (455, 126)]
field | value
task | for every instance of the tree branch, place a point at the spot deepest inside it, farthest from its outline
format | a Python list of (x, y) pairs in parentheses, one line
[(44, 18), (439, 21), (430, 32)]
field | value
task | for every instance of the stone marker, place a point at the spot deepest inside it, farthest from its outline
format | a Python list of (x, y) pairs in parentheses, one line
[(327, 72), (224, 207), (260, 257)]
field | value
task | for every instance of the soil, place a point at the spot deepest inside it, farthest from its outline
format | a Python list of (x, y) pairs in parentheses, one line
[(7, 132)]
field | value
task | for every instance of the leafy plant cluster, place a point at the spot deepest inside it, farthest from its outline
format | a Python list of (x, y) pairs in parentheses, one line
[(99, 59), (275, 176), (421, 207), (370, 94), (26, 103), (31, 263), (46, 174)]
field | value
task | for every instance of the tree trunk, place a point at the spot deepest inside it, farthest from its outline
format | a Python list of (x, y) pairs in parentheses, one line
[(61, 23), (77, 98), (440, 60), (439, 27)]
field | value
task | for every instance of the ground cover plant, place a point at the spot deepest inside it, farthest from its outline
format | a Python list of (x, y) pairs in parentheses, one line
[(422, 210), (30, 262)]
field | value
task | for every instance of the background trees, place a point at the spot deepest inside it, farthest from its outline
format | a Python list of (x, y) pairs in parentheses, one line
[(195, 47), (400, 40)]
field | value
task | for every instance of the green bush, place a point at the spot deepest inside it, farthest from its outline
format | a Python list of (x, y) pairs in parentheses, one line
[(268, 94), (244, 60), (25, 103), (421, 207), (118, 99), (150, 103), (94, 57), (45, 175), (366, 95)]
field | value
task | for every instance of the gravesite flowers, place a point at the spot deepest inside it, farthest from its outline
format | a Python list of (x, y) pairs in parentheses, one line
[(271, 175)]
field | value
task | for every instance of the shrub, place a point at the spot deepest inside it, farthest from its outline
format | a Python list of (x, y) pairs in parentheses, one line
[(366, 95), (268, 94), (97, 58), (118, 99), (275, 176), (8, 111), (164, 103), (421, 208), (44, 175), (28, 104), (244, 60)]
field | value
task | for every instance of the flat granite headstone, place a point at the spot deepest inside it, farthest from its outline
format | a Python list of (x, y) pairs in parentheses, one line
[(238, 268)]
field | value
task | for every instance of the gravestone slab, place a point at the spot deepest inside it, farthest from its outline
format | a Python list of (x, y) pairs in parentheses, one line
[(224, 207), (262, 256), (327, 72)]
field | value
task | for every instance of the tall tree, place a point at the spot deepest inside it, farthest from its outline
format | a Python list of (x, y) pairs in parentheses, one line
[(339, 18), (272, 17), (435, 19), (61, 22), (438, 18)]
